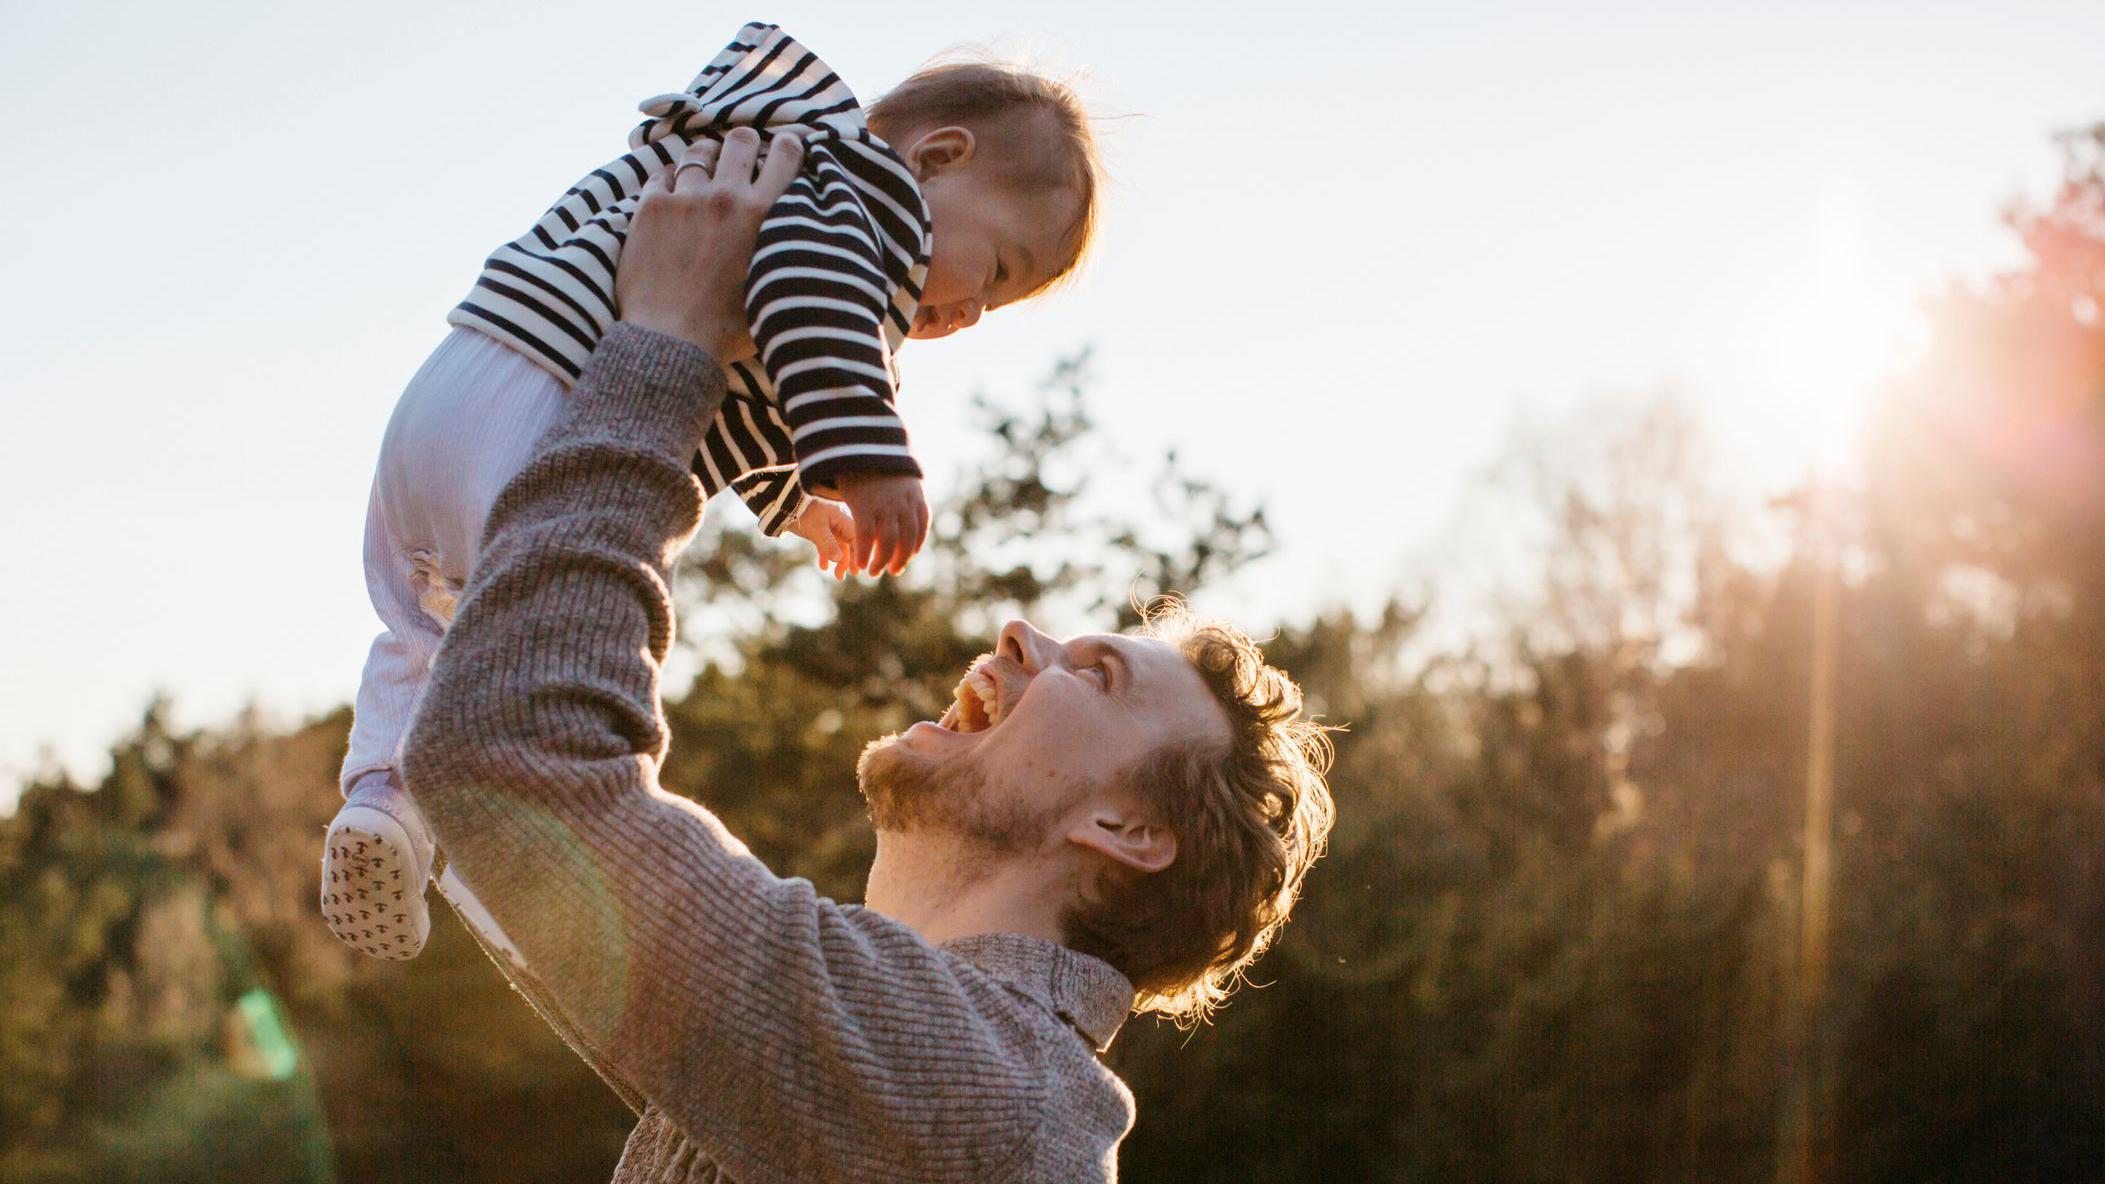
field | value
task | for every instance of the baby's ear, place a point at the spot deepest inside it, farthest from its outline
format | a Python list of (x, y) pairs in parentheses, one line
[(941, 148)]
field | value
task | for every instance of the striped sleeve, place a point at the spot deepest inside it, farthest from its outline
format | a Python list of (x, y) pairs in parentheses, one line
[(817, 297), (746, 436), (775, 496), (550, 292)]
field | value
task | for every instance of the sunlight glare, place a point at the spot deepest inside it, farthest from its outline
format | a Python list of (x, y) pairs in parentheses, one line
[(1845, 339)]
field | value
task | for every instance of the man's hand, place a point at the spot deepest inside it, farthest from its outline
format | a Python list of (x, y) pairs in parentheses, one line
[(827, 526), (891, 519), (683, 269)]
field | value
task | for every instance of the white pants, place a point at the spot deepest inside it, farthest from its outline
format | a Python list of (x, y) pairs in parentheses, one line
[(463, 428)]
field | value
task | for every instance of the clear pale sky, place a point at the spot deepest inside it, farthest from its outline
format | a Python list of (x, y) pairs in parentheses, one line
[(1348, 247)]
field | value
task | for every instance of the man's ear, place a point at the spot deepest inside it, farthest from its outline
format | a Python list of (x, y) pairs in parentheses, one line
[(939, 149), (1126, 837)]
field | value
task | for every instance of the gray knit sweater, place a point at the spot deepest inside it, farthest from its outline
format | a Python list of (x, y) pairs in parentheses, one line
[(765, 1032)]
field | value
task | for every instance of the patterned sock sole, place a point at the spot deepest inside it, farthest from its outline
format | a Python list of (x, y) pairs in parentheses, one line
[(372, 894)]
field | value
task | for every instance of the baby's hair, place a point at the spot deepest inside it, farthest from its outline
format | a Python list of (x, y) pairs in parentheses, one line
[(978, 91)]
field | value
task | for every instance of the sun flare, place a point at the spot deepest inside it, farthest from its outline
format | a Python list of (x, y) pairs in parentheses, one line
[(1848, 333)]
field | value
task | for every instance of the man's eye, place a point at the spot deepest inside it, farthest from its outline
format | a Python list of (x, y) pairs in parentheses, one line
[(1103, 674)]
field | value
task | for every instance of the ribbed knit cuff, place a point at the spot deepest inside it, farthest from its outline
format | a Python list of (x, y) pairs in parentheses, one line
[(668, 391)]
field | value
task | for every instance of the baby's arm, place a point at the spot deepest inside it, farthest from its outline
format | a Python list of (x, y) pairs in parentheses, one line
[(828, 527), (778, 500), (873, 533), (775, 496), (816, 299), (890, 520)]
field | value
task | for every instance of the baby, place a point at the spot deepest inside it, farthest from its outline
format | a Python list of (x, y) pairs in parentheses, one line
[(966, 188)]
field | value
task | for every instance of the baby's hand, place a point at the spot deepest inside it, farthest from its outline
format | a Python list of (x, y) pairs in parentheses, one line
[(826, 525), (891, 520)]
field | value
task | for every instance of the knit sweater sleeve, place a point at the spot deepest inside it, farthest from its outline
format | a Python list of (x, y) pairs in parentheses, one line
[(789, 1038)]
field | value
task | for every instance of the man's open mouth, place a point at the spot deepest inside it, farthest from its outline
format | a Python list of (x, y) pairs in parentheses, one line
[(978, 704)]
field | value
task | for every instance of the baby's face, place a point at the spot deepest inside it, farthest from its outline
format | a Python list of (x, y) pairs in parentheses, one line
[(996, 240)]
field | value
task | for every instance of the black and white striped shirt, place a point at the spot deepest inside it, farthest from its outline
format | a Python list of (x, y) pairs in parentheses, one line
[(835, 281)]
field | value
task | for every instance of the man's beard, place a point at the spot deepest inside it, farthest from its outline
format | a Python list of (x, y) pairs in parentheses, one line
[(909, 792)]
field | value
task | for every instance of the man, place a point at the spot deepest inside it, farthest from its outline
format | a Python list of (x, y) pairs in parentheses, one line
[(1097, 824)]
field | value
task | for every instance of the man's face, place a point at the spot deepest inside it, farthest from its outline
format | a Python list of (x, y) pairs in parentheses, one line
[(1040, 728)]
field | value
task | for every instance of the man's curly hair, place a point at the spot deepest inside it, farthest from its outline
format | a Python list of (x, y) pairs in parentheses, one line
[(1250, 819)]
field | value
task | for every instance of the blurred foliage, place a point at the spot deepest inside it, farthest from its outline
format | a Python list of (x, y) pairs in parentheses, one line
[(1557, 928)]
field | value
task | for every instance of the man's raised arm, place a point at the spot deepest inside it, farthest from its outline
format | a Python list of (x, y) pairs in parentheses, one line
[(787, 1037)]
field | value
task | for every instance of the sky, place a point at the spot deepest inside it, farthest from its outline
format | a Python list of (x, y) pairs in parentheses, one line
[(1348, 249)]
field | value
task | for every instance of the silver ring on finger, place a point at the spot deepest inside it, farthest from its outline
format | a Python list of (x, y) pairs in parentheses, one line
[(684, 166)]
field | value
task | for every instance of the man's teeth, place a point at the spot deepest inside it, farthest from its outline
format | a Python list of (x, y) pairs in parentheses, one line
[(989, 698), (978, 706)]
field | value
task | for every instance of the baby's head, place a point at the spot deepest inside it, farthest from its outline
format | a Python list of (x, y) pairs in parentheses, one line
[(1009, 168)]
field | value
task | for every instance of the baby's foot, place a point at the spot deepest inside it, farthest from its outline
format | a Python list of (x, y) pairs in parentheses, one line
[(374, 867)]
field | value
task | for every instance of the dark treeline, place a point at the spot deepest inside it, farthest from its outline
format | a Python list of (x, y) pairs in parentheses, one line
[(1558, 936)]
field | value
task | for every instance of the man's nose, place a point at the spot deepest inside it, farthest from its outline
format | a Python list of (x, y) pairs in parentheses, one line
[(1023, 644)]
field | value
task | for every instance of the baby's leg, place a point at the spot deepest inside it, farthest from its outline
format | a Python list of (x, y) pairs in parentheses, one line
[(400, 658), (379, 851), (463, 428)]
